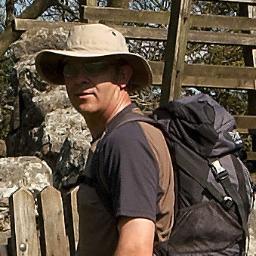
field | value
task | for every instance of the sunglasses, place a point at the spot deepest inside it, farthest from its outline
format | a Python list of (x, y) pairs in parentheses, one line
[(71, 70)]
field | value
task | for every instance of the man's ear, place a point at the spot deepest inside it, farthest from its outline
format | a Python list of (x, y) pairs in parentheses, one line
[(125, 74)]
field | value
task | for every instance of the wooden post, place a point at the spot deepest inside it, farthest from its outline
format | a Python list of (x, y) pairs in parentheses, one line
[(250, 60), (23, 224), (71, 219), (175, 50), (82, 3), (52, 226)]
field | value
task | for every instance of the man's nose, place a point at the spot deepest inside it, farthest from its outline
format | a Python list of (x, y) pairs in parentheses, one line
[(81, 79)]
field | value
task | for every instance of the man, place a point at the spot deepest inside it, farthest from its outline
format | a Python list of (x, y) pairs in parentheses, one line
[(126, 197)]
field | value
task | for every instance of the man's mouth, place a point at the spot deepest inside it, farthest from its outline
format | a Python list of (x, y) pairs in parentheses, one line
[(83, 94)]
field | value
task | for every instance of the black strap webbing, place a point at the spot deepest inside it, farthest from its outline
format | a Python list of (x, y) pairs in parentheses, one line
[(231, 191), (191, 169)]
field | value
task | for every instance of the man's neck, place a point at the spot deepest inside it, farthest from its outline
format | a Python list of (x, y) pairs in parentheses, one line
[(97, 122)]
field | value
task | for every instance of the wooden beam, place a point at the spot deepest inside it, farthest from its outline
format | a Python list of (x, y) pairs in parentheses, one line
[(175, 50), (211, 76), (222, 38), (246, 122), (219, 71), (222, 83), (221, 21), (234, 1), (126, 15), (145, 33), (162, 17), (142, 33), (26, 24), (251, 155)]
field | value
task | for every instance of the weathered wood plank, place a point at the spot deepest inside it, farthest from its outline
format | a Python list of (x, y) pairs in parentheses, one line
[(216, 71), (175, 50), (221, 21), (211, 76), (251, 155), (26, 24), (118, 15), (222, 38), (4, 236), (52, 226), (212, 82), (72, 219), (23, 224), (219, 71), (124, 15), (145, 33), (246, 122)]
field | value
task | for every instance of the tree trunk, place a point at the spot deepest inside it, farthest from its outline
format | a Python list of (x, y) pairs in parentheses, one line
[(8, 36), (9, 8)]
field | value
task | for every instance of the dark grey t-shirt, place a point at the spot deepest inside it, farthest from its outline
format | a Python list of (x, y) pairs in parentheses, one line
[(136, 167)]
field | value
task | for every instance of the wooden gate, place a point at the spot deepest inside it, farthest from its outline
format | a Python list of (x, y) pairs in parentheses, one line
[(45, 225)]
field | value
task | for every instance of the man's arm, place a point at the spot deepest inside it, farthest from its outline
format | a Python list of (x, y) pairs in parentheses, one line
[(136, 237)]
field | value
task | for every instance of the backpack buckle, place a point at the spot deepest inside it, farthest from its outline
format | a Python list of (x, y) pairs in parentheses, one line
[(227, 202), (218, 171)]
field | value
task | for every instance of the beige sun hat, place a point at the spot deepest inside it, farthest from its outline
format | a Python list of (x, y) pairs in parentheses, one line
[(93, 42)]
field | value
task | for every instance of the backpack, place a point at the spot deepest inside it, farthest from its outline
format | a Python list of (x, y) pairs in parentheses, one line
[(213, 189), (214, 194)]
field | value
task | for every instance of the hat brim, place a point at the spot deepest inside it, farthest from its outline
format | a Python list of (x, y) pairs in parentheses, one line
[(49, 65)]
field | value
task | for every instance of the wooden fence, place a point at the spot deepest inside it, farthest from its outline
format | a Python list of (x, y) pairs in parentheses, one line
[(46, 225), (173, 72)]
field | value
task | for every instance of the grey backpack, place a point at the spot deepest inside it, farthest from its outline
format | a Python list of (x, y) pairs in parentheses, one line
[(214, 192)]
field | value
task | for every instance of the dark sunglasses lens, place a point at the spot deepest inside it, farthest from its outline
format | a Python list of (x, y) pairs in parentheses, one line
[(94, 68), (90, 69), (69, 70)]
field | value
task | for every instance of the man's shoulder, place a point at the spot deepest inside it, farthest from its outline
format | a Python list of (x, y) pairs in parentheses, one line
[(134, 132)]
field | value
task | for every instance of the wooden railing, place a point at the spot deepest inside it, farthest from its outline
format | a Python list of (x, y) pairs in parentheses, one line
[(151, 25)]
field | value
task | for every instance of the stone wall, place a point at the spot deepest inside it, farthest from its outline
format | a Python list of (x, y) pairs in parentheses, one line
[(44, 124), (48, 141)]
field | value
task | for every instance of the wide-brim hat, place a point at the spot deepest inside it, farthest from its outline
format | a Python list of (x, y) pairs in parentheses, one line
[(93, 42)]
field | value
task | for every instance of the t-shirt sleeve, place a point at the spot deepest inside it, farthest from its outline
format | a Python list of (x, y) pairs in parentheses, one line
[(131, 172)]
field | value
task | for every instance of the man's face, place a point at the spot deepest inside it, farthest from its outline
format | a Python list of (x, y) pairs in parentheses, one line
[(91, 87)]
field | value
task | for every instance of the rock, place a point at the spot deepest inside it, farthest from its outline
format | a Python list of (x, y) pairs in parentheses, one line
[(43, 118), (16, 172), (27, 171), (2, 148)]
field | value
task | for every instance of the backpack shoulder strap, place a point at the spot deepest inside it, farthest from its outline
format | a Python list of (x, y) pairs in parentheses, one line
[(131, 117)]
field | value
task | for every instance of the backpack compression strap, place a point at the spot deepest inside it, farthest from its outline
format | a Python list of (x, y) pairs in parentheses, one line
[(191, 169), (221, 175)]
